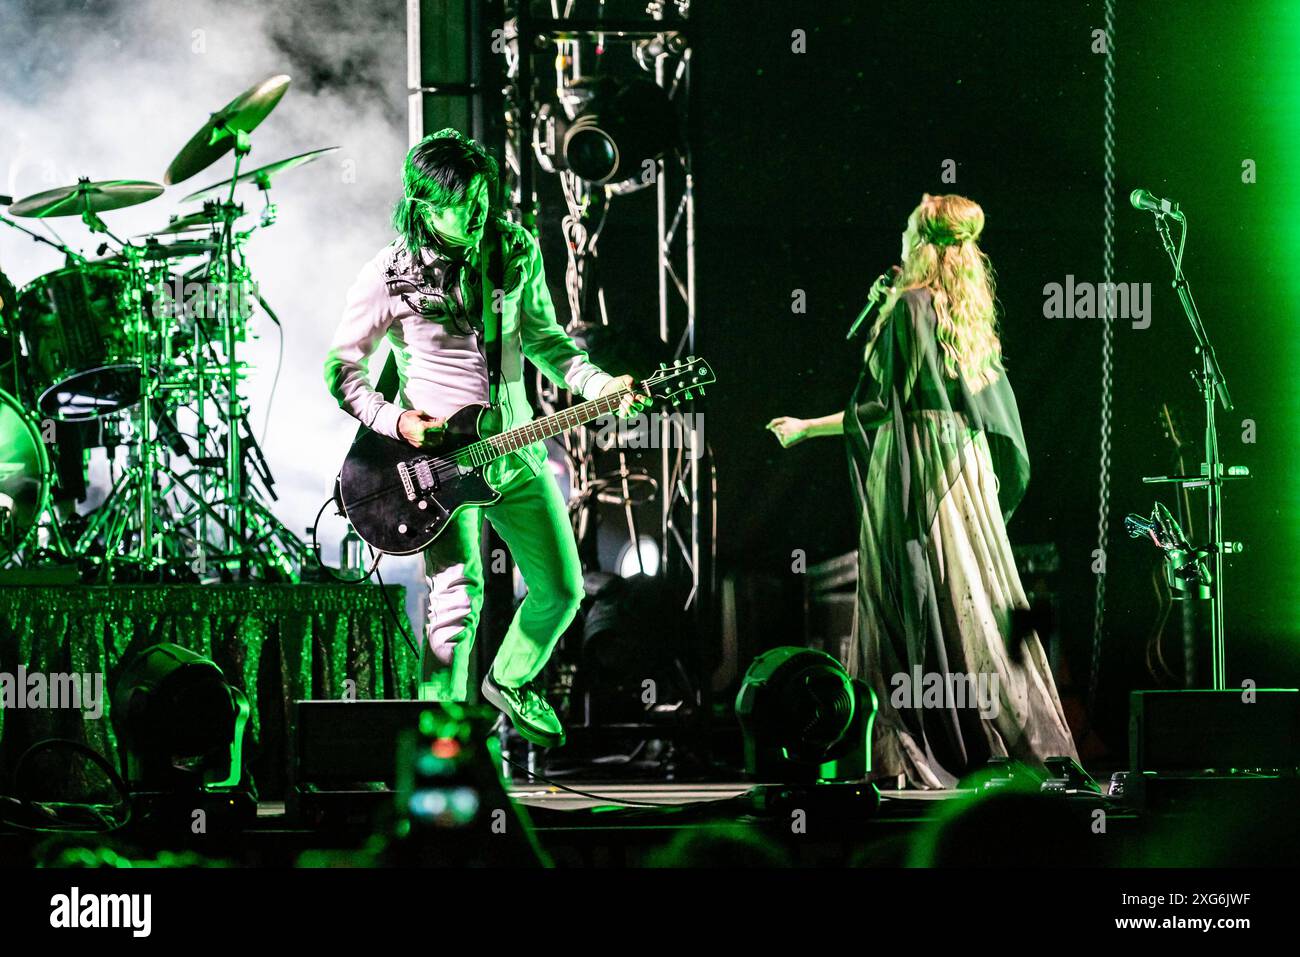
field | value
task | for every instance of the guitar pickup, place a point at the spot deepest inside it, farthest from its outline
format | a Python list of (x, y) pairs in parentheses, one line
[(424, 475), (417, 477)]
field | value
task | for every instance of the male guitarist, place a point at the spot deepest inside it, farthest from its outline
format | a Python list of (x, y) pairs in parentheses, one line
[(424, 291)]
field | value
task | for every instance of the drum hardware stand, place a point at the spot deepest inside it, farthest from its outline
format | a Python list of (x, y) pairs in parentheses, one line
[(139, 481), (56, 540), (70, 254), (268, 530), (1214, 389), (233, 490), (112, 520), (245, 510), (261, 525), (225, 500), (241, 541), (269, 210)]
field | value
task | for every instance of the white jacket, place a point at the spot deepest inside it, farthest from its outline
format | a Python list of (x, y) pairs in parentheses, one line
[(440, 365)]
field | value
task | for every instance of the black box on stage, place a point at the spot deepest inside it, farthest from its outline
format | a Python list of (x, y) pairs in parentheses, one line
[(343, 758), (345, 742), (1190, 731), (830, 600)]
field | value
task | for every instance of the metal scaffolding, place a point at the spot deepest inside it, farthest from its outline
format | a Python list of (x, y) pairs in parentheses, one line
[(480, 67)]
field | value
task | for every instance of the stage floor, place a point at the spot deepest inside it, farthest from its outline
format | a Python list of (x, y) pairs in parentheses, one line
[(606, 794)]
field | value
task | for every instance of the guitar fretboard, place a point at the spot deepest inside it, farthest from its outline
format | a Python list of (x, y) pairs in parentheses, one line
[(484, 451)]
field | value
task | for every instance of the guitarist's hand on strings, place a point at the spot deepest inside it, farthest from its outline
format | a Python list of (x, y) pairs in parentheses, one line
[(420, 428), (632, 403)]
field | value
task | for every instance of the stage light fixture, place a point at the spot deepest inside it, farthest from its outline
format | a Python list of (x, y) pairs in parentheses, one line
[(642, 560), (628, 625), (633, 631), (607, 131), (804, 719), (179, 722)]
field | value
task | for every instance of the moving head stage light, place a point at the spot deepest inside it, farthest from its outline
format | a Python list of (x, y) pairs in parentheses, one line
[(607, 131)]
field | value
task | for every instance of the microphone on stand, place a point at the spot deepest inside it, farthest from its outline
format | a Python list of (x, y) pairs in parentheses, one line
[(1141, 199), (879, 289)]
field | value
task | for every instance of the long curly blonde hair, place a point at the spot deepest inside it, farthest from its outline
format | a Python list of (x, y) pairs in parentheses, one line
[(942, 255)]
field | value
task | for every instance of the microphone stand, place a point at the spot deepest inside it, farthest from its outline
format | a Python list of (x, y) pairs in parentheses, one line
[(1213, 386)]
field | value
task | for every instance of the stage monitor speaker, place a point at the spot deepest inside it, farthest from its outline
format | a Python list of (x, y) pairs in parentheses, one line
[(1194, 731), (343, 760), (338, 743)]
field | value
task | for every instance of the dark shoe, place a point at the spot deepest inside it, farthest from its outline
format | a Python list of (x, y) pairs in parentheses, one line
[(528, 711)]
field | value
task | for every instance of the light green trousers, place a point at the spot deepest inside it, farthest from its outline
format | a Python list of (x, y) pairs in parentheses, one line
[(532, 520)]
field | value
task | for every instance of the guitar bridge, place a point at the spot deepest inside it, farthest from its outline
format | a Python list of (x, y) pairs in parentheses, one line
[(417, 478), (404, 474)]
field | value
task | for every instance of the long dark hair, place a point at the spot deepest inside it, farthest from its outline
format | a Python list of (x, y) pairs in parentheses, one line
[(439, 170)]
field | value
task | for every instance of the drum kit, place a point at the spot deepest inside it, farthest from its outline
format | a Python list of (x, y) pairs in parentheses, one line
[(137, 352)]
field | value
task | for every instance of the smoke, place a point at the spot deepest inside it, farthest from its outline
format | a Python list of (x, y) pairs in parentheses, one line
[(112, 89)]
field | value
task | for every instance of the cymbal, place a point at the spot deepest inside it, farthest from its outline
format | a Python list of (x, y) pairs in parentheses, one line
[(203, 219), (217, 137), (263, 175), (96, 197)]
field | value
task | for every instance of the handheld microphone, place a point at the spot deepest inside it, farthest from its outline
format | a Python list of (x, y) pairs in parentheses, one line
[(884, 282), (1141, 199)]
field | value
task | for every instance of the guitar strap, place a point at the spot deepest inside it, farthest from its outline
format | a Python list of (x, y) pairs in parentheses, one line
[(387, 384), (387, 387), (492, 276)]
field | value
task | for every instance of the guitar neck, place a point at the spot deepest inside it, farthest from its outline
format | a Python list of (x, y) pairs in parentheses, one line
[(493, 447)]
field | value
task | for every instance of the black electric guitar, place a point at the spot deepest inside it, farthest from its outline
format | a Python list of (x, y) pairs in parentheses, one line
[(400, 498)]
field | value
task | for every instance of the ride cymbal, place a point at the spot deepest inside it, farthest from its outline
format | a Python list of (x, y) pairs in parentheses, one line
[(85, 196), (261, 176)]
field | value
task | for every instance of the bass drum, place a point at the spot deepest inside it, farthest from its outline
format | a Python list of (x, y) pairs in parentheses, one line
[(24, 477), (10, 354)]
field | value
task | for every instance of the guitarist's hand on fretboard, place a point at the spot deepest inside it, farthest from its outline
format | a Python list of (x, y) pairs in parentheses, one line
[(420, 429), (632, 404)]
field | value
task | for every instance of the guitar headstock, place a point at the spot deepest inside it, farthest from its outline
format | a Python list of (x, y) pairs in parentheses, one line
[(684, 379)]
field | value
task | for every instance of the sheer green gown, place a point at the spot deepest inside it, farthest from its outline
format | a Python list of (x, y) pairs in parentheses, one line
[(937, 470)]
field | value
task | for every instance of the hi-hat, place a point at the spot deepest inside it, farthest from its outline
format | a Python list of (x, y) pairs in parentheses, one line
[(217, 137), (161, 252), (85, 197), (260, 176), (204, 219)]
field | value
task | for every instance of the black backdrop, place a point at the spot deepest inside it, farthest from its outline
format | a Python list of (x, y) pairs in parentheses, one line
[(807, 166)]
